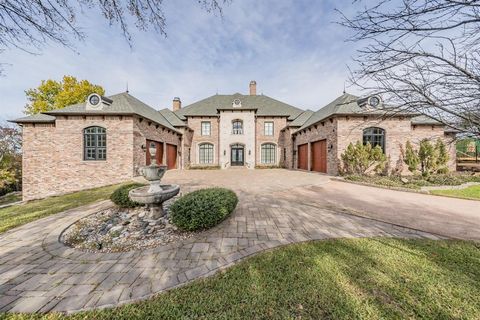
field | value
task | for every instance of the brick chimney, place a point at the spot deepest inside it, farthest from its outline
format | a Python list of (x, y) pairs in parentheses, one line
[(177, 104), (253, 88)]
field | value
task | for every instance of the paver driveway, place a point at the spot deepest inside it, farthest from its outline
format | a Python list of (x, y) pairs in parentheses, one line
[(37, 273)]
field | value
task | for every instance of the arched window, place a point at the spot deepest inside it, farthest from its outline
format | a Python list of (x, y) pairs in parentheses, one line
[(95, 143), (237, 126), (376, 137), (205, 154), (268, 154)]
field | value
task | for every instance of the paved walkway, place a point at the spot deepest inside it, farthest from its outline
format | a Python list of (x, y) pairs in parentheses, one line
[(37, 273)]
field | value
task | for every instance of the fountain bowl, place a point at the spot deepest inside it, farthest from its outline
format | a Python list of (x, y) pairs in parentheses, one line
[(141, 195)]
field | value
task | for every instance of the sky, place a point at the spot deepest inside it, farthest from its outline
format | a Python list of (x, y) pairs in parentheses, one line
[(292, 48)]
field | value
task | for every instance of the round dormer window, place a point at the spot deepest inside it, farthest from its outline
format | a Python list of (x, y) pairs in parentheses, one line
[(237, 103), (374, 101), (94, 99)]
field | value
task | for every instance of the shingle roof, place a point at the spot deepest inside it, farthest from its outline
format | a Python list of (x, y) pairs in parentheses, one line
[(122, 104), (36, 118), (423, 119), (346, 104), (264, 106), (172, 118), (301, 119)]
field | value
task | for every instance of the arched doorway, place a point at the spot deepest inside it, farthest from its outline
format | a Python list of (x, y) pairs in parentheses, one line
[(237, 155)]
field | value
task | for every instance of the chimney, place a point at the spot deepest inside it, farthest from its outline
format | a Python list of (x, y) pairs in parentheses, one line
[(177, 104), (253, 88)]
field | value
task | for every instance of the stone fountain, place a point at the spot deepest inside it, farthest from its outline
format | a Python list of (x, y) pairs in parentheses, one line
[(155, 194)]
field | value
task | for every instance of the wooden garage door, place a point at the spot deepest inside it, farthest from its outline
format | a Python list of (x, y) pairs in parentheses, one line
[(319, 156), (171, 156), (303, 156)]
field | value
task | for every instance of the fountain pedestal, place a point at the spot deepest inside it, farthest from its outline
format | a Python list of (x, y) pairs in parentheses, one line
[(155, 194)]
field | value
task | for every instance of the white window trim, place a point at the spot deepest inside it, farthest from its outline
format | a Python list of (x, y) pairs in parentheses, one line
[(265, 128), (209, 128)]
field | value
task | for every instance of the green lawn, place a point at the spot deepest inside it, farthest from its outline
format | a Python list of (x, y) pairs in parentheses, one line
[(10, 198), (17, 215), (472, 192), (335, 279)]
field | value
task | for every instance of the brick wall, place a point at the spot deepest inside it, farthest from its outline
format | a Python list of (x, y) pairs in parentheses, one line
[(53, 156), (144, 130), (323, 130), (195, 124), (278, 124), (286, 144)]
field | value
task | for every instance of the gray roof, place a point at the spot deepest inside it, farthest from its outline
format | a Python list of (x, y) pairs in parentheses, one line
[(301, 119), (347, 104), (36, 118), (122, 104), (423, 119), (264, 106), (172, 118)]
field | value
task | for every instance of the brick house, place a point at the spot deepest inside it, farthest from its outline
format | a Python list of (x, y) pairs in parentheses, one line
[(105, 140)]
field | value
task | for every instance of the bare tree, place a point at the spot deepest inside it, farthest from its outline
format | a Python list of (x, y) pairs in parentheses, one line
[(29, 24), (422, 56)]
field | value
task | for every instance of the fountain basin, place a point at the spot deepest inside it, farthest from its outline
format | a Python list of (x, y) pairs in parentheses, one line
[(143, 196)]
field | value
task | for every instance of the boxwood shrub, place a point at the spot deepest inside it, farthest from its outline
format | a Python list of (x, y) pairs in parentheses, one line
[(203, 209), (120, 196)]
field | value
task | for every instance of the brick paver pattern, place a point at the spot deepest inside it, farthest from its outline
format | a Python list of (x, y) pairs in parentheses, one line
[(40, 274)]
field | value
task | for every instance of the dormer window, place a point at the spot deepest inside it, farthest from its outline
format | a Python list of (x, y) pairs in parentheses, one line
[(237, 127), (237, 103)]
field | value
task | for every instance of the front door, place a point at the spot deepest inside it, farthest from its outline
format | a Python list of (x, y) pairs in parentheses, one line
[(237, 155)]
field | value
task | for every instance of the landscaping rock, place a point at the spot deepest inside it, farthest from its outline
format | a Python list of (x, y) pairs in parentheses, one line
[(113, 230)]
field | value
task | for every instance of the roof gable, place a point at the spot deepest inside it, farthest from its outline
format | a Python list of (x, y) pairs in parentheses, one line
[(264, 106)]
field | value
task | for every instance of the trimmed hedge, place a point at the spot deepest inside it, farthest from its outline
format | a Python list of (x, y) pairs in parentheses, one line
[(203, 209), (120, 196)]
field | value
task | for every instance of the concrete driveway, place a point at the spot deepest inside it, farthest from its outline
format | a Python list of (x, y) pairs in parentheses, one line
[(277, 207)]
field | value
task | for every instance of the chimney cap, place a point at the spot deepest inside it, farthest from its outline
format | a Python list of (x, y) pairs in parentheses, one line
[(176, 99), (253, 82)]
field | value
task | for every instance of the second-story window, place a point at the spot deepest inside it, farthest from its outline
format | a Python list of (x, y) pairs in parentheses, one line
[(268, 128), (237, 126), (206, 128)]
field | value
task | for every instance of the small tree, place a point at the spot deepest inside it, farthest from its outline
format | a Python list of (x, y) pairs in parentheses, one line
[(359, 159), (411, 158), (442, 156), (428, 157)]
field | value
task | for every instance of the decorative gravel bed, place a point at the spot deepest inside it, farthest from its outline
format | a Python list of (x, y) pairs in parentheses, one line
[(120, 230)]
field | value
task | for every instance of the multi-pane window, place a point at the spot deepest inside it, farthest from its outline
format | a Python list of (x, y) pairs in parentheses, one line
[(95, 143), (268, 128), (374, 136), (206, 128), (268, 153), (206, 153), (237, 126)]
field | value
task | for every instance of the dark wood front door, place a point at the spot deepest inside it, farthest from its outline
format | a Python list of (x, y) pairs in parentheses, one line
[(319, 156), (237, 155), (171, 156), (303, 156), (158, 157)]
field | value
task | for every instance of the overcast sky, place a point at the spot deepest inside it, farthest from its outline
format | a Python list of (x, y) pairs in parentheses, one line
[(292, 48)]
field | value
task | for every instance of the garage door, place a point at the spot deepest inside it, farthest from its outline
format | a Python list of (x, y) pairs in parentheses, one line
[(303, 156), (319, 156), (171, 156)]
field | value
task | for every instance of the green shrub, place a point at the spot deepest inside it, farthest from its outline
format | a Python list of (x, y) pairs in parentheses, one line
[(432, 158), (120, 196), (359, 159), (203, 209)]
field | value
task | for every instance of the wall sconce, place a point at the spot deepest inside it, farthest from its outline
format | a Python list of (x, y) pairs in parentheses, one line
[(249, 152), (294, 152), (144, 148), (330, 147), (224, 152)]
